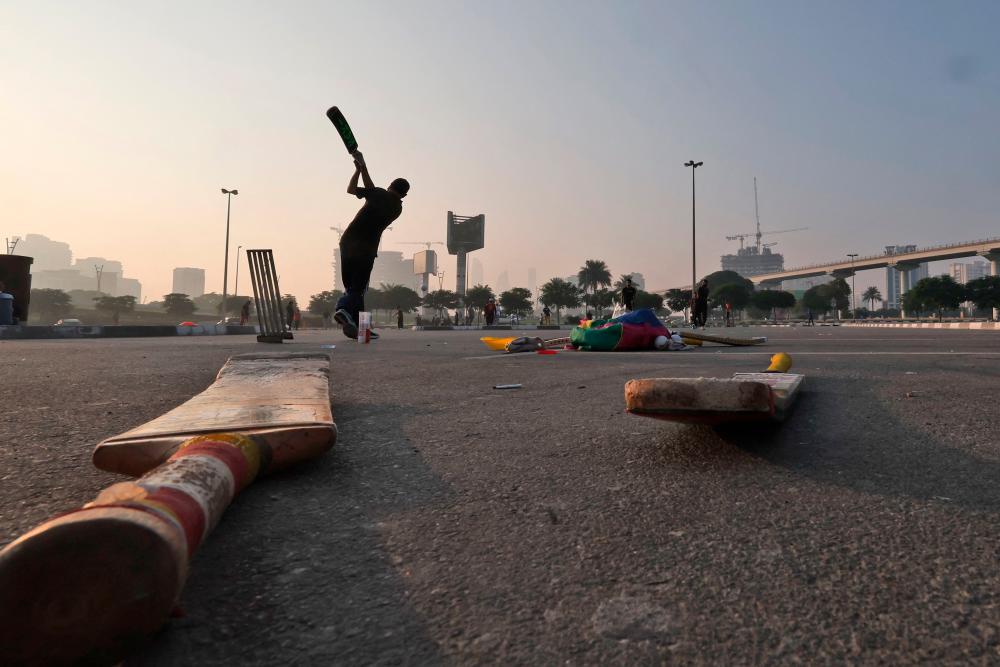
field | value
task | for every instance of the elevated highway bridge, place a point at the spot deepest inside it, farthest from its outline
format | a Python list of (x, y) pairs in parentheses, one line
[(902, 262)]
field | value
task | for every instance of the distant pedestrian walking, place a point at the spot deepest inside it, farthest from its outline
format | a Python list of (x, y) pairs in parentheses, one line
[(729, 314), (812, 321), (490, 312), (546, 316), (399, 317), (289, 313), (297, 318), (245, 313), (628, 295)]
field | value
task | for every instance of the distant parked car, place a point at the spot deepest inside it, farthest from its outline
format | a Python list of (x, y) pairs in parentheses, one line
[(69, 322), (188, 324)]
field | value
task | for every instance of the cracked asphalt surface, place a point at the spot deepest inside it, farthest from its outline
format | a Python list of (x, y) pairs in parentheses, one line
[(454, 523)]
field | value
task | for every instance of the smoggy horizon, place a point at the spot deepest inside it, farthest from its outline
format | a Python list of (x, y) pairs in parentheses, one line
[(567, 125)]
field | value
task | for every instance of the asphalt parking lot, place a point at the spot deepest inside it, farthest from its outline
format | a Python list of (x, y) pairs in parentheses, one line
[(458, 523)]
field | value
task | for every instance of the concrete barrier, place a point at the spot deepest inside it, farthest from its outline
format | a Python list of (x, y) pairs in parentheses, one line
[(982, 326), (24, 332)]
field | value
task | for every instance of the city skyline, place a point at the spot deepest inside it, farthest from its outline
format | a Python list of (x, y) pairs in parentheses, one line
[(575, 124)]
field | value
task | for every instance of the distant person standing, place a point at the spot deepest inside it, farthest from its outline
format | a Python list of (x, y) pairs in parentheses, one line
[(546, 316), (729, 314), (809, 314), (245, 313), (399, 317), (297, 318), (289, 313), (490, 312), (700, 316), (628, 295)]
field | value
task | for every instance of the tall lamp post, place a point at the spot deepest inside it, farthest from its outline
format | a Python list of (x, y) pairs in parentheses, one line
[(694, 165), (236, 288), (225, 269), (854, 307)]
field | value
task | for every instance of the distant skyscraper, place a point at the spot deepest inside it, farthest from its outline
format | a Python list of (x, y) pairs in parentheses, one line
[(503, 283), (475, 272), (49, 255), (893, 280), (190, 281), (390, 268), (85, 265), (963, 273)]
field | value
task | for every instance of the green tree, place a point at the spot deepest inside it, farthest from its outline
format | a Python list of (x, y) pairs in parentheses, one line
[(720, 278), (559, 294), (115, 305), (83, 298), (984, 292), (324, 302), (478, 295), (736, 295), (769, 300), (51, 304), (593, 274), (871, 295), (648, 300), (210, 302), (400, 296), (620, 283), (441, 300), (178, 305), (516, 300), (838, 290), (602, 299), (816, 299), (934, 293), (678, 300)]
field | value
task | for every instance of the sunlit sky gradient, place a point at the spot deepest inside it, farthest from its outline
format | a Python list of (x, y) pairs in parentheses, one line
[(566, 123)]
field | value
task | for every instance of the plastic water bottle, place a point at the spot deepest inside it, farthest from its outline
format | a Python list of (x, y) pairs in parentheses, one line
[(364, 327)]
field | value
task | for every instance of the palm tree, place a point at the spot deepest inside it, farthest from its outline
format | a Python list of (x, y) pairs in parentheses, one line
[(593, 274), (872, 295), (620, 283), (561, 294)]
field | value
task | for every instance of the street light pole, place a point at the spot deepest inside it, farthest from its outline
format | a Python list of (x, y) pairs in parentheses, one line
[(854, 305), (694, 165), (225, 269), (236, 289)]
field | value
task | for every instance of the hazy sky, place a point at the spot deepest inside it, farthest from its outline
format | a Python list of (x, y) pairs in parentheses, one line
[(566, 123)]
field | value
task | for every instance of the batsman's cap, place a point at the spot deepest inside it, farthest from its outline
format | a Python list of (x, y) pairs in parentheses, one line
[(400, 186), (780, 363)]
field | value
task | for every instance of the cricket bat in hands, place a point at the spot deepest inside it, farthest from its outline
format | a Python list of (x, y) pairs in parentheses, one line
[(343, 128)]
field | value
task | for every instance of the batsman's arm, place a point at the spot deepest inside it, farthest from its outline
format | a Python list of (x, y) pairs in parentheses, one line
[(352, 187), (359, 160)]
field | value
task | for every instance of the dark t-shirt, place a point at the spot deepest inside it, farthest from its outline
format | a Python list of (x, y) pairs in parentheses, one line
[(365, 231), (628, 294)]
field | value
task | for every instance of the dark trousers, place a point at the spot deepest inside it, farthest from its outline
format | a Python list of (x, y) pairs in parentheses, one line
[(355, 271), (629, 306)]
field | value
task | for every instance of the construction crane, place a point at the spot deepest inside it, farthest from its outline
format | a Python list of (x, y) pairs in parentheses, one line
[(758, 234)]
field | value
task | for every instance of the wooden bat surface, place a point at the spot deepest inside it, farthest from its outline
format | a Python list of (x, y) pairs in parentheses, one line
[(283, 398)]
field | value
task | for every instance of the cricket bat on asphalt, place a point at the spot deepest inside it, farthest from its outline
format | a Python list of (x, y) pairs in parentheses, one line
[(343, 128)]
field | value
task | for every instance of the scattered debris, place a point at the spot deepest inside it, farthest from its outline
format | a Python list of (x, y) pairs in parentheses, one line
[(506, 386)]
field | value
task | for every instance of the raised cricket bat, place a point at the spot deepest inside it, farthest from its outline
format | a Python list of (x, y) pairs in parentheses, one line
[(343, 128)]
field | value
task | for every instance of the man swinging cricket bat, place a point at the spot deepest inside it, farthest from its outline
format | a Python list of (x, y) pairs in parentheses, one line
[(359, 243)]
